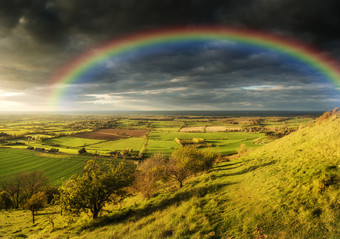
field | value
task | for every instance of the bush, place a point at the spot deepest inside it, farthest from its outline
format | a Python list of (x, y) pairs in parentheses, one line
[(5, 200), (242, 149)]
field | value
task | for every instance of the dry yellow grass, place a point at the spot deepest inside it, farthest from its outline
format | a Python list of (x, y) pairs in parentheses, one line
[(192, 129)]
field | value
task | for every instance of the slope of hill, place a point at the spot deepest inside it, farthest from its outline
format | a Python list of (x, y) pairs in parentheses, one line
[(286, 189)]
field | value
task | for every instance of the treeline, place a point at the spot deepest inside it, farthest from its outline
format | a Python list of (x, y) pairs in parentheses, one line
[(104, 182), (8, 138), (26, 190), (18, 188)]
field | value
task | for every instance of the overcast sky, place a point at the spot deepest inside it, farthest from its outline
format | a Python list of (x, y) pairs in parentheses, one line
[(39, 37)]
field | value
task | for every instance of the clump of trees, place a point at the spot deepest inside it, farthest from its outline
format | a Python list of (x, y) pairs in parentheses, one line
[(182, 164), (99, 184), (29, 190), (188, 161), (126, 153), (21, 186), (82, 151), (327, 115)]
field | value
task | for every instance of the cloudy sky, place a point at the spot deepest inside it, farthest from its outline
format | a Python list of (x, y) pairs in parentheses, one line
[(40, 37)]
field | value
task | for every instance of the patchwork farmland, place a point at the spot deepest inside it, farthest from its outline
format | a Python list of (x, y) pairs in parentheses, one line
[(106, 136)]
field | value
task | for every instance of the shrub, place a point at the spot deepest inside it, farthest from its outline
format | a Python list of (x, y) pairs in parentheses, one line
[(97, 185), (5, 200), (242, 149)]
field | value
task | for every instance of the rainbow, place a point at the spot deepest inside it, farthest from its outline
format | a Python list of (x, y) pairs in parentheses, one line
[(321, 62)]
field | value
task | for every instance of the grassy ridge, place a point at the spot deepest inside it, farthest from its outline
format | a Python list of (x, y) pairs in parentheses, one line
[(55, 166)]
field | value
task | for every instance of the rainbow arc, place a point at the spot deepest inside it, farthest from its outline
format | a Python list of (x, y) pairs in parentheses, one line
[(313, 58)]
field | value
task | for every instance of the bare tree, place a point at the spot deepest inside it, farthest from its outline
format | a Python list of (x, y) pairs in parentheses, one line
[(35, 181), (148, 175)]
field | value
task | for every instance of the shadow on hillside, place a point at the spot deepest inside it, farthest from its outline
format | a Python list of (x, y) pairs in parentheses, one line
[(226, 167), (223, 168), (246, 170), (227, 164), (137, 213), (46, 213)]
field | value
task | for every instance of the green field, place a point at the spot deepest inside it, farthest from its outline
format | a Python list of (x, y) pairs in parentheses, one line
[(225, 143), (159, 146), (54, 166), (69, 141), (133, 143)]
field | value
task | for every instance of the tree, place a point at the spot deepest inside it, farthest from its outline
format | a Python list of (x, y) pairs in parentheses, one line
[(23, 185), (36, 202), (96, 186), (187, 161), (5, 200), (35, 181), (15, 186), (82, 151), (149, 173)]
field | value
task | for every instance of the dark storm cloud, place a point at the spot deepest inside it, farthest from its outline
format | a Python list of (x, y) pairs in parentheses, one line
[(59, 21), (52, 21), (200, 67), (312, 20), (201, 80)]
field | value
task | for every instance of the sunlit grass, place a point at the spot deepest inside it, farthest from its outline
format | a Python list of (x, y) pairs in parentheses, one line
[(54, 166)]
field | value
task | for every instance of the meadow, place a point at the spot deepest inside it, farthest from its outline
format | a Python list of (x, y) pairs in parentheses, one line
[(55, 167)]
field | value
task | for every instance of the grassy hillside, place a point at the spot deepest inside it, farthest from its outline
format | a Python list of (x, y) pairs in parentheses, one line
[(286, 189)]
